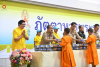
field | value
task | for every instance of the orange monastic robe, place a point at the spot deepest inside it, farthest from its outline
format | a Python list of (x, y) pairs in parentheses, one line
[(92, 56), (67, 52)]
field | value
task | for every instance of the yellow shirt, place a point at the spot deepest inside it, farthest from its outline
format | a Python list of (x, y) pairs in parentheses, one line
[(37, 39), (57, 36), (20, 44)]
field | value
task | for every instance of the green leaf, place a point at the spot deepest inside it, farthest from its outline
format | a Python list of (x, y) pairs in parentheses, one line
[(16, 66), (28, 65)]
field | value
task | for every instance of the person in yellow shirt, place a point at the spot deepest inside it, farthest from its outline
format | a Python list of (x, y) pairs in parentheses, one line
[(19, 36), (37, 38), (55, 33)]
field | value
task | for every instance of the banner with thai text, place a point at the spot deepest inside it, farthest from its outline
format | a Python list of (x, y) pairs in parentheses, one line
[(38, 17)]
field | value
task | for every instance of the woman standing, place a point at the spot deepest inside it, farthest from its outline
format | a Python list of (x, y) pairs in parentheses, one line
[(37, 38)]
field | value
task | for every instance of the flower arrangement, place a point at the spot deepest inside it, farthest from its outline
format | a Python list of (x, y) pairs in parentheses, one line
[(21, 57)]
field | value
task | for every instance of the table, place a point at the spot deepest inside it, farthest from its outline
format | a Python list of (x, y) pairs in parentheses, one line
[(46, 59), (53, 58)]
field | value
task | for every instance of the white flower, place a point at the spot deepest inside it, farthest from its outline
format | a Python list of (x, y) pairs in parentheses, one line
[(18, 55)]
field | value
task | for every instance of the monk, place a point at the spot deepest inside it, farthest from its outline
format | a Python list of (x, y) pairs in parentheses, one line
[(92, 56), (67, 56)]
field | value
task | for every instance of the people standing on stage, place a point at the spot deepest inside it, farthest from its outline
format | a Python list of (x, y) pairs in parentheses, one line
[(92, 56), (67, 56), (55, 33), (81, 34), (48, 36), (95, 31), (73, 33), (37, 38), (19, 36)]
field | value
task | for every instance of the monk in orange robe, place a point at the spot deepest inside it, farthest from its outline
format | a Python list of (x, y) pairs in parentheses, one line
[(67, 56), (92, 56)]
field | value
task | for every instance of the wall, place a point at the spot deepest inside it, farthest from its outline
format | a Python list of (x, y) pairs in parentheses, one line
[(80, 5)]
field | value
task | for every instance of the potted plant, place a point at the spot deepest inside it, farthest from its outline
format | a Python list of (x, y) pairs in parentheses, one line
[(21, 58)]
